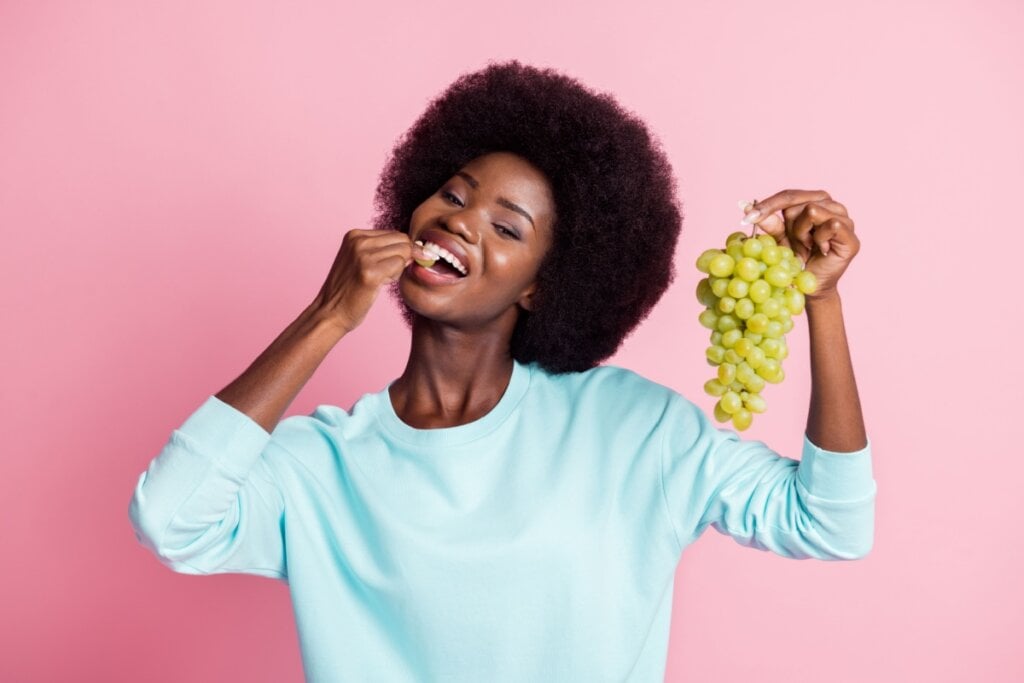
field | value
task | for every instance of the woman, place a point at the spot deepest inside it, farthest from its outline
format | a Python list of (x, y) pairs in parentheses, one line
[(507, 509)]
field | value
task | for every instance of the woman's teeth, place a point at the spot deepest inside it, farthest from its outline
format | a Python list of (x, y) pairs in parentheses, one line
[(439, 252)]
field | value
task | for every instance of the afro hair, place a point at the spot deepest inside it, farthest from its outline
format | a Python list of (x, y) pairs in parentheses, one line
[(617, 217)]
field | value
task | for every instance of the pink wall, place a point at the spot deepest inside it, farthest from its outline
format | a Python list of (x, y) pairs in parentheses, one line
[(175, 179)]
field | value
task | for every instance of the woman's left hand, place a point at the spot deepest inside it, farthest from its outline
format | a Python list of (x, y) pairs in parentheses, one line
[(817, 229)]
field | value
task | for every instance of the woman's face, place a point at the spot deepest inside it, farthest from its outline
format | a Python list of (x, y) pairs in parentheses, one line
[(496, 214)]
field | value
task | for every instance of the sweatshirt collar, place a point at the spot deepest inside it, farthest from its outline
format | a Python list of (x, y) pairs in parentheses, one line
[(460, 434)]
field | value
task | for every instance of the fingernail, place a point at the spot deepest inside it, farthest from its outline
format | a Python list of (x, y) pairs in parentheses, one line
[(744, 204), (751, 217)]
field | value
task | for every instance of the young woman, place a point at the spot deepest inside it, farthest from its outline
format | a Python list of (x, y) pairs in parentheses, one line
[(508, 509)]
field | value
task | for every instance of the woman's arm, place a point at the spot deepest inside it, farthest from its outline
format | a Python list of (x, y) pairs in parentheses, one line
[(366, 261), (269, 385), (820, 231), (834, 420)]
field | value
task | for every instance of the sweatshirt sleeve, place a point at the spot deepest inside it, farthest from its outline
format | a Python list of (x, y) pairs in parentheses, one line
[(820, 507), (209, 503)]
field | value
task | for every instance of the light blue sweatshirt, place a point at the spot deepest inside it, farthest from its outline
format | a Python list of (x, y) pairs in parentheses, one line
[(537, 543)]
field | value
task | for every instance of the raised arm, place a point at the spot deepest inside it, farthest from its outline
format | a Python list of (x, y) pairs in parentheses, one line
[(820, 231), (269, 385), (834, 420), (366, 261), (211, 501)]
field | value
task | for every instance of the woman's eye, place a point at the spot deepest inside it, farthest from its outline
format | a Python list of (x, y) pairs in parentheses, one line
[(501, 228)]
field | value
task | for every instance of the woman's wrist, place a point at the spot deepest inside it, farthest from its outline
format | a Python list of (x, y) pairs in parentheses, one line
[(823, 299)]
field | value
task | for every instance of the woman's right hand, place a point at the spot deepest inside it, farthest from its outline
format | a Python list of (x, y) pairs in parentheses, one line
[(366, 260)]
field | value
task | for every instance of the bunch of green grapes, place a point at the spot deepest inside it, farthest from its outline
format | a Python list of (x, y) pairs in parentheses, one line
[(752, 290)]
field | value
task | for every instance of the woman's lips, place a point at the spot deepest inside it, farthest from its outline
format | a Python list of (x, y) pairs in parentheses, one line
[(429, 276), (446, 243)]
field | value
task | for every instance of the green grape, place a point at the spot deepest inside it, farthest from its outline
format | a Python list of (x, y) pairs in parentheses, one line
[(741, 419), (719, 286), (716, 338), (753, 336), (738, 288), (752, 248), (735, 237), (795, 301), (708, 318), (720, 414), (756, 384), (766, 241), (757, 323), (778, 276), (730, 402), (774, 329), (736, 386), (721, 265), (754, 403), (770, 307), (762, 266), (806, 282), (704, 293), (756, 357), (787, 325), (715, 354), (726, 304), (770, 255), (743, 346), (744, 373), (744, 308), (769, 369), (730, 337), (728, 322), (735, 249), (732, 357), (787, 253), (760, 291), (783, 350), (771, 348), (748, 269), (704, 260), (714, 388), (727, 373)]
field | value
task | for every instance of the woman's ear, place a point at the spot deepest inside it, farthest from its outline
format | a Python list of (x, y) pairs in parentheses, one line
[(529, 299)]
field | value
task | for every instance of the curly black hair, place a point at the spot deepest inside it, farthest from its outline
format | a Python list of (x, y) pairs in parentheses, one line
[(617, 216)]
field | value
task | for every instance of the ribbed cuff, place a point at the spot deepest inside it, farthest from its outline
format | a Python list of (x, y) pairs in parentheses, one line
[(835, 476), (226, 433)]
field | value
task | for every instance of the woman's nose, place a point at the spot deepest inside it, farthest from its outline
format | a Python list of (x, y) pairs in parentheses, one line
[(461, 224)]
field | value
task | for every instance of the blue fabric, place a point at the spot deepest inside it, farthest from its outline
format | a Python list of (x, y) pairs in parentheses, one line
[(537, 543)]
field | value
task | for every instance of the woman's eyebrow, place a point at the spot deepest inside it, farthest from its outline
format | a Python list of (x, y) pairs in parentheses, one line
[(501, 200)]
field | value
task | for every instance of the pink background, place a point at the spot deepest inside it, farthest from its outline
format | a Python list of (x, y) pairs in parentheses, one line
[(175, 179)]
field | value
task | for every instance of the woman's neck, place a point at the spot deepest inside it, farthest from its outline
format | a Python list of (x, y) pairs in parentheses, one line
[(453, 376)]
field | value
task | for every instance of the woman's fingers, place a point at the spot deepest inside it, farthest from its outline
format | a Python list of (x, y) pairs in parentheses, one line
[(794, 205), (807, 226), (800, 222), (787, 198), (837, 237), (774, 226), (763, 211)]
